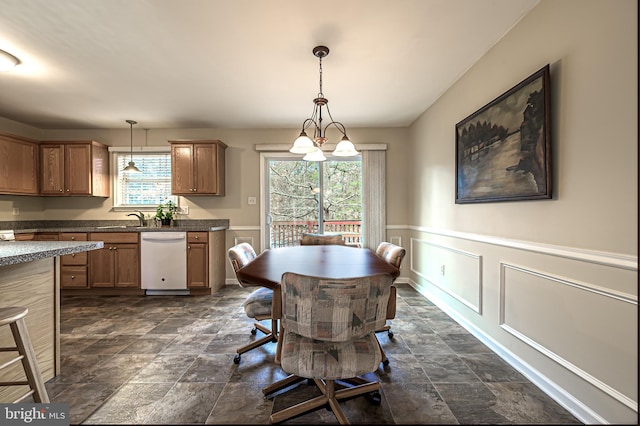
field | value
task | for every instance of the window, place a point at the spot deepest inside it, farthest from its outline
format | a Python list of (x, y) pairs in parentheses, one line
[(146, 189)]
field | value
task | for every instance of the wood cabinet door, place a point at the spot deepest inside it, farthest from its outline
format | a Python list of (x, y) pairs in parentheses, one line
[(197, 265), (182, 169), (126, 265), (101, 267), (205, 168), (18, 167), (78, 169), (52, 169)]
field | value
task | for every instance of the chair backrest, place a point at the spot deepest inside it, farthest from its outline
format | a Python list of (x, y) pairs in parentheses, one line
[(240, 255), (391, 253), (335, 310), (321, 239)]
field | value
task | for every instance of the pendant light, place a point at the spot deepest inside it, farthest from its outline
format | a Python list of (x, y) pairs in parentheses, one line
[(312, 148), (131, 168)]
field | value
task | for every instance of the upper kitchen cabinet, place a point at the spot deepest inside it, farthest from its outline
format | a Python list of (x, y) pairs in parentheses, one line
[(18, 165), (197, 167), (74, 168)]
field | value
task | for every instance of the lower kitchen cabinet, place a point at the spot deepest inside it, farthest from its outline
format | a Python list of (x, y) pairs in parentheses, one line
[(117, 264), (197, 259), (74, 267)]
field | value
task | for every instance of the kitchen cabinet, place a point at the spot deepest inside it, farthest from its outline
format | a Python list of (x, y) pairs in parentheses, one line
[(73, 168), (117, 264), (197, 167), (74, 267), (197, 259), (18, 165)]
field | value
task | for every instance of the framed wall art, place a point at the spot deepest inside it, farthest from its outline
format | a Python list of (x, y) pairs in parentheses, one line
[(503, 150)]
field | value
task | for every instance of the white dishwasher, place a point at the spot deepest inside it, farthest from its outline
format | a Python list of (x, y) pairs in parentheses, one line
[(163, 259)]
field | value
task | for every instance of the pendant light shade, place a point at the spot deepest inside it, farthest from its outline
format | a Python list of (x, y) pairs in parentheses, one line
[(316, 155), (131, 168), (345, 148)]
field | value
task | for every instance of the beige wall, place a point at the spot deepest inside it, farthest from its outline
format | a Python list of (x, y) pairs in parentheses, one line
[(549, 284)]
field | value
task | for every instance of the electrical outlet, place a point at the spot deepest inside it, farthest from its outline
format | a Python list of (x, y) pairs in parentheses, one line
[(185, 209), (442, 270), (16, 211), (251, 200)]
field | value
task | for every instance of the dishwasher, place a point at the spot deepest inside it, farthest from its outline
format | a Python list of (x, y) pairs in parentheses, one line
[(163, 259)]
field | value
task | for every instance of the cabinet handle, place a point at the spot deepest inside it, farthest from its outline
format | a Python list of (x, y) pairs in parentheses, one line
[(68, 189), (196, 237), (61, 190), (73, 277), (73, 238), (73, 255), (189, 247)]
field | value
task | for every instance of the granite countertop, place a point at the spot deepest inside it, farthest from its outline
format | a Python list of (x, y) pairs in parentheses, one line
[(14, 252), (23, 227)]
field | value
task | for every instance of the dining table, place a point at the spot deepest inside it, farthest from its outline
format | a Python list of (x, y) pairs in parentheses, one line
[(325, 261)]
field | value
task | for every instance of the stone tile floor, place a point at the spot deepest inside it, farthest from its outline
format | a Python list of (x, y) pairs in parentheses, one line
[(169, 360)]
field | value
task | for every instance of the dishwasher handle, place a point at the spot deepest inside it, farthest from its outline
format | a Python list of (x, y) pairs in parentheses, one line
[(166, 236)]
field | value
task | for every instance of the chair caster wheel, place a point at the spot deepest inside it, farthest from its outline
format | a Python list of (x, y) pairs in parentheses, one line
[(385, 362), (375, 398), (236, 359), (390, 334), (254, 331)]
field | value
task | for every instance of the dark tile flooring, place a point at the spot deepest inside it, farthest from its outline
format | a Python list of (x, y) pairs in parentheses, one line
[(169, 360)]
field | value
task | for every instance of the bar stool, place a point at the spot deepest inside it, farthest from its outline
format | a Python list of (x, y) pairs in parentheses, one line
[(14, 317)]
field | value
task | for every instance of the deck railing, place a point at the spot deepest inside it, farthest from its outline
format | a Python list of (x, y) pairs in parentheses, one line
[(289, 233)]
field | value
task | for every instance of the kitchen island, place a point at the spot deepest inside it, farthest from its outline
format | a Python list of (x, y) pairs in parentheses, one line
[(28, 278)]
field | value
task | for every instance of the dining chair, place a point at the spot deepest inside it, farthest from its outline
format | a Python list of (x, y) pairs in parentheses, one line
[(309, 239), (392, 254), (257, 305), (327, 334)]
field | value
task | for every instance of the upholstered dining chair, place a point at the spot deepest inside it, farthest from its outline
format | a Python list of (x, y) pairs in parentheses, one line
[(327, 334), (257, 305), (309, 239), (392, 254)]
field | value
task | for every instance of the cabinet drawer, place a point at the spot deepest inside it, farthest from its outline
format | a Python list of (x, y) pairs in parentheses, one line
[(46, 236), (73, 236), (197, 237), (115, 237), (74, 259), (73, 277)]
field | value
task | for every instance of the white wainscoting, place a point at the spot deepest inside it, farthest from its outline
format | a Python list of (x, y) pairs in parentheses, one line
[(456, 272), (574, 329), (566, 318)]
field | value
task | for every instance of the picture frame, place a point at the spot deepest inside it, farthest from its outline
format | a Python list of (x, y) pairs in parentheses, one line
[(503, 150)]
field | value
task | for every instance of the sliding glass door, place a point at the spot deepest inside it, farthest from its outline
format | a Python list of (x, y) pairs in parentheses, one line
[(319, 197)]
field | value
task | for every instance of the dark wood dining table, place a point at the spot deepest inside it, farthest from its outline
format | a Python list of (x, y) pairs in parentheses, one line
[(320, 261)]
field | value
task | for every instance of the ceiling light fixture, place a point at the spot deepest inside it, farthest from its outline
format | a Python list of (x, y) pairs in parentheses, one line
[(131, 168), (7, 61), (313, 148)]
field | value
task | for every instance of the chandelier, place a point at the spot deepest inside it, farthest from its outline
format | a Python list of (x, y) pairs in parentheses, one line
[(312, 148)]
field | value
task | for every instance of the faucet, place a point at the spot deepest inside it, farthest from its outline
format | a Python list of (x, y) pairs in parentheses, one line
[(139, 215)]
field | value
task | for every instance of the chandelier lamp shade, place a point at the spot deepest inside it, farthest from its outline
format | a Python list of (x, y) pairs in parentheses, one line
[(312, 147), (131, 168)]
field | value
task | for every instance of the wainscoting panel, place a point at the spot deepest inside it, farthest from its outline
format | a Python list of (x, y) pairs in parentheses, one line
[(456, 272), (539, 308)]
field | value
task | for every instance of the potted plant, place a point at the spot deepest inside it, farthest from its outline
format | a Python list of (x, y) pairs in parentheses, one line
[(166, 212)]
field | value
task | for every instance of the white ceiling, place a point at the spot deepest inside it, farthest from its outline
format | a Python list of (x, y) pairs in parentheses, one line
[(238, 63)]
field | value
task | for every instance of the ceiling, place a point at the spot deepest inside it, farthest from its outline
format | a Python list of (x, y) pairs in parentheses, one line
[(238, 63)]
